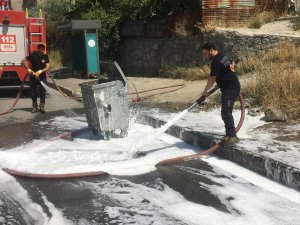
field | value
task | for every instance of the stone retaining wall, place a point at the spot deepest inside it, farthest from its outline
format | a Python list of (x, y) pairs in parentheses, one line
[(145, 56)]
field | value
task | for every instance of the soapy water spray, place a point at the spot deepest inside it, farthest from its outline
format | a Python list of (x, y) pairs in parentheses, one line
[(162, 129), (59, 101)]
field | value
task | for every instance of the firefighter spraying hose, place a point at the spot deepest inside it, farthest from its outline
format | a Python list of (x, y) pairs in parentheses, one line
[(212, 149), (165, 127), (39, 66)]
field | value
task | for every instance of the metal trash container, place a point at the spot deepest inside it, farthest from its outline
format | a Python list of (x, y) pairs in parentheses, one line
[(106, 104)]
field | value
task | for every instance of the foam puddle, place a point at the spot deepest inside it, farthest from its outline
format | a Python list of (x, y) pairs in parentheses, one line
[(17, 207), (154, 203), (158, 132), (253, 139), (159, 204), (85, 154)]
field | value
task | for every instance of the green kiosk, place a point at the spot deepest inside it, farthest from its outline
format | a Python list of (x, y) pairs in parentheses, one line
[(84, 45)]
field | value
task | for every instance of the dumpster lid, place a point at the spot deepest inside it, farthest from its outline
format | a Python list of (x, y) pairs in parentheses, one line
[(79, 25), (113, 71)]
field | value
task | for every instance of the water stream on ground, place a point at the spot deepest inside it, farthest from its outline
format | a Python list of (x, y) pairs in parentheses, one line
[(158, 132), (59, 100)]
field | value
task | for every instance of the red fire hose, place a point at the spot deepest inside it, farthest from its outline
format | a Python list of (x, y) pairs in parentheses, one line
[(56, 176), (53, 176), (213, 148), (17, 98)]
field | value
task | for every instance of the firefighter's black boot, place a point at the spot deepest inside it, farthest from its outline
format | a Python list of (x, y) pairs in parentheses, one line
[(34, 108), (42, 108)]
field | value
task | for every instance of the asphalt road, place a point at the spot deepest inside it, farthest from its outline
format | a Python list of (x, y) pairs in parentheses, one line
[(193, 192)]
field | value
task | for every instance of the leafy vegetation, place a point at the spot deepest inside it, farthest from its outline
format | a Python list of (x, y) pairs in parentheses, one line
[(113, 13), (55, 11)]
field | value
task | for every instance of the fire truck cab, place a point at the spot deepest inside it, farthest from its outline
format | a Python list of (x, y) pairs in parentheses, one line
[(19, 36)]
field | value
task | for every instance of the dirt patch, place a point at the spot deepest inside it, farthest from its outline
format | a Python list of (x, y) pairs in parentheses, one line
[(171, 93), (280, 28)]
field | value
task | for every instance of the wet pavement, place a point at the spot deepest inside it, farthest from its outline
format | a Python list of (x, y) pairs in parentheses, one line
[(192, 192)]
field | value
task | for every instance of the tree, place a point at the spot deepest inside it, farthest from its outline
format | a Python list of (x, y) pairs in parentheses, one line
[(113, 13), (56, 11)]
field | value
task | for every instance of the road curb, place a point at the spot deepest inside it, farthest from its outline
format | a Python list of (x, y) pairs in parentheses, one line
[(65, 90), (268, 167)]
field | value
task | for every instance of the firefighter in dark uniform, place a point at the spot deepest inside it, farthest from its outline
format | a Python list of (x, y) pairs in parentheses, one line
[(40, 65), (223, 73)]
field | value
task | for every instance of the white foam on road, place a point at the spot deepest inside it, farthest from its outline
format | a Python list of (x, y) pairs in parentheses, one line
[(248, 175), (85, 154), (33, 212), (143, 205), (211, 121), (158, 132), (263, 141), (266, 203)]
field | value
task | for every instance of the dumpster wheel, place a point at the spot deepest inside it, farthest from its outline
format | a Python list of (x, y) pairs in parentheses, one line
[(124, 133), (95, 131), (107, 135)]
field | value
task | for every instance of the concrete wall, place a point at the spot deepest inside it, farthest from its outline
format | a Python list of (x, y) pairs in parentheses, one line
[(145, 56)]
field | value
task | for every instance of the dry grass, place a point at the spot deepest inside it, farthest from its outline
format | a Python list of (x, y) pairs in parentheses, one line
[(259, 19), (192, 73), (296, 22), (249, 64), (183, 27), (277, 79), (211, 26), (206, 28), (55, 59), (234, 20)]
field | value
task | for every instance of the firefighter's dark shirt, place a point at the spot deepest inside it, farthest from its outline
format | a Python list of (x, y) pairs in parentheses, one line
[(223, 68), (38, 62)]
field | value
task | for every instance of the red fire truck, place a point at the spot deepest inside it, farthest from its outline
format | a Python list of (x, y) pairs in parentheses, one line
[(19, 36)]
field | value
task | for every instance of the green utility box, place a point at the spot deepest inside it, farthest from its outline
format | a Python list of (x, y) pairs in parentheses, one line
[(92, 53), (84, 45)]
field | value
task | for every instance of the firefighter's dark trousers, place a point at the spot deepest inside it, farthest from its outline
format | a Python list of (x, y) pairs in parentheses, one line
[(228, 98), (36, 86)]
